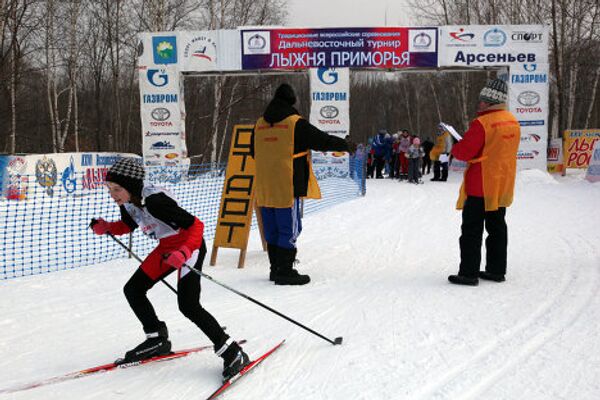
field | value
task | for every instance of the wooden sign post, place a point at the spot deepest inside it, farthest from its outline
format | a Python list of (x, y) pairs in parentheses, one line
[(237, 199)]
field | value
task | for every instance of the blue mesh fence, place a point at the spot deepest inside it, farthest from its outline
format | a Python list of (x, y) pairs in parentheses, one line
[(47, 231)]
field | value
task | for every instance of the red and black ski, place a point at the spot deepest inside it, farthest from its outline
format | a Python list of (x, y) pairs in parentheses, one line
[(107, 367), (228, 383)]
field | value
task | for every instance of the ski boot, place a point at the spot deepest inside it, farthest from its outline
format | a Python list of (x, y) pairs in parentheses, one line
[(234, 358), (287, 274), (272, 251), (156, 344)]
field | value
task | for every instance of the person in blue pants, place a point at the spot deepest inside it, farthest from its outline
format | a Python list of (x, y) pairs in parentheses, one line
[(281, 146)]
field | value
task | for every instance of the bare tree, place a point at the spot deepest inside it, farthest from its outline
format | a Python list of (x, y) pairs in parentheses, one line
[(227, 14), (13, 16)]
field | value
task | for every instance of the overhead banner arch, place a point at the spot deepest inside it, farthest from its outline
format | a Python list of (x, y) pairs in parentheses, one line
[(164, 56)]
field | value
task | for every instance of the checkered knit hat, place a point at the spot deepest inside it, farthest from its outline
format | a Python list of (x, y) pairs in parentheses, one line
[(494, 92), (129, 173)]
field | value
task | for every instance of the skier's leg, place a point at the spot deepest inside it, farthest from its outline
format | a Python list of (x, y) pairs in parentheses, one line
[(157, 335), (136, 290), (188, 299)]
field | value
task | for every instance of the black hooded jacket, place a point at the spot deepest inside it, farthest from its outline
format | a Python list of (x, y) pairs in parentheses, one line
[(306, 136)]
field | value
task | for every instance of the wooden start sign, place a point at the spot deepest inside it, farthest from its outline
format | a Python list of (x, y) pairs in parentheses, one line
[(237, 199)]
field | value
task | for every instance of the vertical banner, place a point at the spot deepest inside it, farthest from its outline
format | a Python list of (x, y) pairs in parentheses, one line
[(330, 112), (161, 101), (528, 101), (237, 199), (524, 49), (162, 58), (593, 171), (578, 145)]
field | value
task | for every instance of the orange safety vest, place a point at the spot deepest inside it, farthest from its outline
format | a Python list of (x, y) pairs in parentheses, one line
[(498, 160), (274, 159)]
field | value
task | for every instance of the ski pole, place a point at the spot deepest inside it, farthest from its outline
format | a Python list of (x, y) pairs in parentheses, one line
[(136, 257), (337, 340), (139, 259)]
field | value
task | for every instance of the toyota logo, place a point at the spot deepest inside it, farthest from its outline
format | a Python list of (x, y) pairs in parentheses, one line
[(528, 98), (160, 114), (329, 112)]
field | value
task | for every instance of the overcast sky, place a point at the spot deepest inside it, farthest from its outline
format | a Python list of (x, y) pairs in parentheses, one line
[(348, 13)]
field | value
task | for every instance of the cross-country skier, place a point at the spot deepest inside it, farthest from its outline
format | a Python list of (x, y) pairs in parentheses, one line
[(180, 242)]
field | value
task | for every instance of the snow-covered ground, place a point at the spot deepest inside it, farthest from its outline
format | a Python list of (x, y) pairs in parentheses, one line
[(378, 266)]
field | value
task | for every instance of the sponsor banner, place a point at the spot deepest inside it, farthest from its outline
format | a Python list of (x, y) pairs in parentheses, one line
[(531, 137), (330, 100), (555, 156), (528, 102), (56, 174), (530, 74), (487, 45), (160, 79), (398, 47), (532, 155), (330, 165), (161, 102), (330, 110), (593, 171), (209, 51), (578, 145), (158, 48)]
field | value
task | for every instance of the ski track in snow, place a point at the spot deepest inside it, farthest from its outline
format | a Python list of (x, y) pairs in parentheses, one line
[(378, 267), (512, 346)]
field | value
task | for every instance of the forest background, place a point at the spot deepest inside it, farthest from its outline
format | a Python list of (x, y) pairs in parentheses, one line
[(68, 72)]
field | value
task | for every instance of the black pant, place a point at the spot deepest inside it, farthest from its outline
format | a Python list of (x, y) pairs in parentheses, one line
[(426, 165), (413, 170), (188, 298), (379, 164), (474, 217), (440, 175)]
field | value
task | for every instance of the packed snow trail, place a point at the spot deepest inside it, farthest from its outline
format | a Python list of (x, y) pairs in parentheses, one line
[(378, 267)]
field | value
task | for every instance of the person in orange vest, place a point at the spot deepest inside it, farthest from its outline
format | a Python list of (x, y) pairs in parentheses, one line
[(281, 147), (490, 148), (439, 154)]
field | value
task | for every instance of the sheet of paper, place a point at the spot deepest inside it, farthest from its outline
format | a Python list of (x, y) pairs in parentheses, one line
[(451, 130)]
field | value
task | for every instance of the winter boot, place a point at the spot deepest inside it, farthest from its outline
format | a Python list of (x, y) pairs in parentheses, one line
[(463, 280), (156, 344), (234, 358), (272, 250), (491, 277), (286, 274)]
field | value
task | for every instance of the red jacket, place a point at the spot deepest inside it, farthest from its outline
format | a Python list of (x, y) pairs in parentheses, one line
[(469, 148)]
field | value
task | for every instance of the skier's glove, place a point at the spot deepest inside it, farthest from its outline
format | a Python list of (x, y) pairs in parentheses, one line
[(178, 257), (100, 226)]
